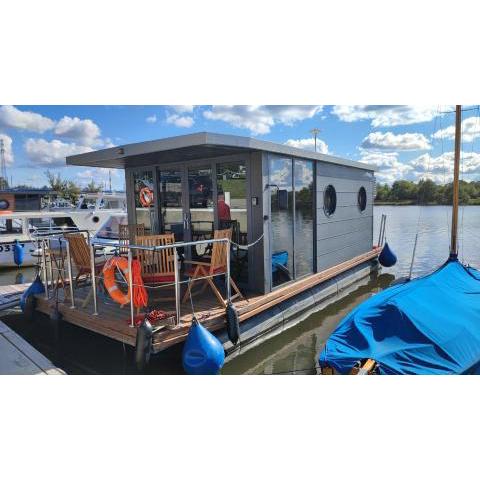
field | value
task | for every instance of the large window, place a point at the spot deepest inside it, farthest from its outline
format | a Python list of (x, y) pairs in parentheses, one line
[(304, 217), (281, 209), (232, 211), (171, 206), (292, 218), (144, 199)]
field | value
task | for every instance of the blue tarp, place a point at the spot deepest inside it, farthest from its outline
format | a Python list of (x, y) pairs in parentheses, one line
[(430, 325)]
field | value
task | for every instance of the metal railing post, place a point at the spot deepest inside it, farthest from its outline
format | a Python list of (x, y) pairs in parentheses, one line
[(227, 275), (94, 280), (130, 282), (380, 227), (44, 268), (50, 262), (177, 287), (70, 276)]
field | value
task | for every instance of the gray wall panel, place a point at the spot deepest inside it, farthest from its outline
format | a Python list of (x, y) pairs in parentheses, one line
[(348, 232)]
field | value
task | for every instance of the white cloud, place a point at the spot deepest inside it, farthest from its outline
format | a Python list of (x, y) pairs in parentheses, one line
[(389, 167), (386, 115), (440, 168), (7, 145), (98, 175), (182, 121), (151, 119), (12, 117), (390, 141), (259, 119), (470, 130), (51, 154), (308, 144), (182, 108), (82, 132)]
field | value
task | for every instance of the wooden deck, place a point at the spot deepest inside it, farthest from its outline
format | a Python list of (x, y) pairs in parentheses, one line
[(114, 322)]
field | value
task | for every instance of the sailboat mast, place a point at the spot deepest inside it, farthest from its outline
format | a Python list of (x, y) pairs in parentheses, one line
[(456, 181)]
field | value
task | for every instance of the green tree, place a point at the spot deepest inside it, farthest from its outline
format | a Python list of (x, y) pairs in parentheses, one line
[(65, 188), (427, 190), (92, 187)]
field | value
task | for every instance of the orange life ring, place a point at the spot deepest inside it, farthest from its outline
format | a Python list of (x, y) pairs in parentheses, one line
[(146, 196), (109, 279), (140, 296)]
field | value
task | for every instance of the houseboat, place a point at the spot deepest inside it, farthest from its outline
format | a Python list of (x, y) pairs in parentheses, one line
[(274, 231)]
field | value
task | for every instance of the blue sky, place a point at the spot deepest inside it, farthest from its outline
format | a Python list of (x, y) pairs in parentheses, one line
[(411, 142)]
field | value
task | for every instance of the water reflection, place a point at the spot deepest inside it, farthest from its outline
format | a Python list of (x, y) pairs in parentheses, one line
[(297, 348)]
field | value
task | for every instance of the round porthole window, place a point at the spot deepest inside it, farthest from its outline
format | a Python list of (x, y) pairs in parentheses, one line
[(4, 204), (362, 199), (329, 200)]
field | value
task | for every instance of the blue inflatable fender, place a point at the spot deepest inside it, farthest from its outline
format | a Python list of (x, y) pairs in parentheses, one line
[(203, 353), (35, 288), (18, 253), (387, 258)]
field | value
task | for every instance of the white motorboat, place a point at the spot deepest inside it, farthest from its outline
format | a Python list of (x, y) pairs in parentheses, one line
[(29, 227)]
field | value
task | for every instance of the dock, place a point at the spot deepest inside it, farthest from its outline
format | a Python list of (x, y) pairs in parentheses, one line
[(10, 295), (114, 322), (18, 357)]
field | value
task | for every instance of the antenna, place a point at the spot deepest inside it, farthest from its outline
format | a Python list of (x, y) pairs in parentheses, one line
[(110, 179), (3, 166), (315, 132)]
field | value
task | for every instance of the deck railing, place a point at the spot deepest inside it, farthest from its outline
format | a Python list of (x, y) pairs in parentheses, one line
[(99, 245)]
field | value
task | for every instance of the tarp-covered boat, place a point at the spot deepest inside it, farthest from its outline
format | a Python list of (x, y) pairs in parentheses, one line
[(430, 325)]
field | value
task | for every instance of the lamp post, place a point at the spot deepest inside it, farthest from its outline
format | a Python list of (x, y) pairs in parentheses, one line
[(315, 132)]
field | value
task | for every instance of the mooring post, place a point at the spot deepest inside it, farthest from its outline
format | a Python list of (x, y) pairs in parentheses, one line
[(227, 275), (44, 268), (70, 276), (94, 281), (177, 287), (130, 283)]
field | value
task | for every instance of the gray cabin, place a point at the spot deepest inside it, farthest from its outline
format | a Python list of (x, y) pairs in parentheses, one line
[(303, 211)]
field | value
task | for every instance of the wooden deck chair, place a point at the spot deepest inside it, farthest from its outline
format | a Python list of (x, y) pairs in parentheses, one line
[(127, 232), (216, 266), (80, 255), (157, 267)]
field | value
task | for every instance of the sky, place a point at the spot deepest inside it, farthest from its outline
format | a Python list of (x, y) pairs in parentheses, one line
[(403, 142)]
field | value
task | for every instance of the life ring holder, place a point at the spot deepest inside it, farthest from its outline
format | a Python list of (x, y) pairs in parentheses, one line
[(146, 197)]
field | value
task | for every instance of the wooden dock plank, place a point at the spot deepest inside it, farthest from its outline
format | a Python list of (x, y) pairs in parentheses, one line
[(18, 357)]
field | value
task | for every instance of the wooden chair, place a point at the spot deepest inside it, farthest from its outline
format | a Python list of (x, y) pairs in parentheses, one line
[(80, 255), (157, 267), (127, 232), (216, 266)]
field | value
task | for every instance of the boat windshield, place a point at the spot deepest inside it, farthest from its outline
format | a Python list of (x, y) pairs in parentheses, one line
[(110, 229)]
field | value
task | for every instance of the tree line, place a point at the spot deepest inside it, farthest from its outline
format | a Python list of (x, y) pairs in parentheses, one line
[(427, 192)]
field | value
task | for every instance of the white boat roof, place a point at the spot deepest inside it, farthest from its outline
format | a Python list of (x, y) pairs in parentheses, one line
[(37, 214), (196, 146)]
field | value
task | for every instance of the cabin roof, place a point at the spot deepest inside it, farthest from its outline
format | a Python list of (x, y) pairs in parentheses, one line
[(195, 146)]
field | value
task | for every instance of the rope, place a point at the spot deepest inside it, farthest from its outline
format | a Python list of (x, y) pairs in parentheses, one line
[(249, 245)]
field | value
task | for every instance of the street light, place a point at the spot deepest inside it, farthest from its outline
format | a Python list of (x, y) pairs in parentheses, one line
[(315, 132)]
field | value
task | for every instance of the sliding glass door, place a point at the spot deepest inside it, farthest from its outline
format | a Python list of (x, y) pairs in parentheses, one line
[(292, 220)]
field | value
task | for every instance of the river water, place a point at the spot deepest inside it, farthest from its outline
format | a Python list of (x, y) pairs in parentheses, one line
[(296, 350)]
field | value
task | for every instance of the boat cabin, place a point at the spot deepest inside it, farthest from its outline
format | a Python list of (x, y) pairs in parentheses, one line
[(292, 212)]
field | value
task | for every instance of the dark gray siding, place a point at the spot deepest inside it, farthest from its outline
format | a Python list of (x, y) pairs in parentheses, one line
[(348, 232)]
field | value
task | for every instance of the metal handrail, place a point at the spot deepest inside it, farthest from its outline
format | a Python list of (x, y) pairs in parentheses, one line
[(157, 248), (98, 243)]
